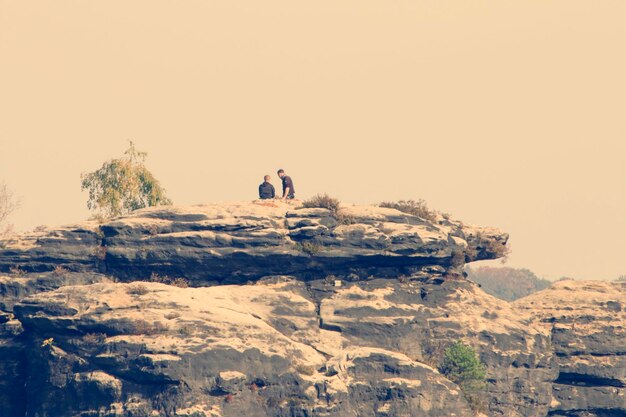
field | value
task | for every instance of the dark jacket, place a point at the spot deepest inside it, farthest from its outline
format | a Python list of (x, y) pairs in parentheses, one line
[(287, 182), (266, 191)]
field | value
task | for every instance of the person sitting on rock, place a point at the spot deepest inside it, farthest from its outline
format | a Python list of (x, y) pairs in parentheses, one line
[(288, 190), (266, 189)]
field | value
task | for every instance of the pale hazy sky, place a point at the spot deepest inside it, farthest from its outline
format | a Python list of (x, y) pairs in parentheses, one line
[(510, 113)]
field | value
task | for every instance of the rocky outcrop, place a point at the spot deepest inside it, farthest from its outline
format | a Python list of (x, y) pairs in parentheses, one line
[(238, 242), (14, 350), (76, 248), (587, 322), (280, 347), (318, 314)]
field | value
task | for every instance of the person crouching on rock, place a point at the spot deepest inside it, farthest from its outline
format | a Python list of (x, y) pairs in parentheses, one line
[(266, 189), (288, 190)]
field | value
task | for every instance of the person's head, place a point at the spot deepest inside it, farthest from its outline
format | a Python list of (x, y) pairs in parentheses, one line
[(281, 173), (266, 178)]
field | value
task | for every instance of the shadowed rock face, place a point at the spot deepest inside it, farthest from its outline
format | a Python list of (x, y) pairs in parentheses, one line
[(14, 349), (237, 242), (587, 321)]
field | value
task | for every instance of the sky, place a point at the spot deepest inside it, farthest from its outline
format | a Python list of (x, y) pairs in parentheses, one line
[(507, 113)]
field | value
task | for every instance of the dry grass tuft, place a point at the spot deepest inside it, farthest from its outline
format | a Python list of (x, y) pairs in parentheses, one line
[(164, 279), (323, 201), (137, 289), (417, 208)]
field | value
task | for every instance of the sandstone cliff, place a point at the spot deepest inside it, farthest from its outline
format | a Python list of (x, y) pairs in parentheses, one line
[(238, 242), (316, 315)]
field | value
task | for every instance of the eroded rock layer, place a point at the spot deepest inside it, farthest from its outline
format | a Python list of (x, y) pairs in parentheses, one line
[(237, 242), (587, 321)]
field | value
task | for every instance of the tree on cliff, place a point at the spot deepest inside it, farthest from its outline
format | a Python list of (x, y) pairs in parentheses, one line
[(462, 366), (8, 204), (123, 185)]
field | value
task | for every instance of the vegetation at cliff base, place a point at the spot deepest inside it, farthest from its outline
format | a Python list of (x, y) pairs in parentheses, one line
[(507, 283), (123, 185)]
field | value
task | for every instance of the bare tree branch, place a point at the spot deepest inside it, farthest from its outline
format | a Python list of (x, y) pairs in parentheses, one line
[(8, 204)]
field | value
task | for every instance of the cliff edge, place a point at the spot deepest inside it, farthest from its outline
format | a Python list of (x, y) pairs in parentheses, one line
[(238, 242)]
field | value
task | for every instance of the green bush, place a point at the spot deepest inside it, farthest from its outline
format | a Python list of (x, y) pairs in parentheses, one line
[(461, 365), (413, 207)]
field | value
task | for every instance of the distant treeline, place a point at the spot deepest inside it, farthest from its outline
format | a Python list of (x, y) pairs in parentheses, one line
[(506, 283)]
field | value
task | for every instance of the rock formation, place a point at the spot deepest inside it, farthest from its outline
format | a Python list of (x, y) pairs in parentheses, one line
[(316, 313), (587, 322), (238, 242)]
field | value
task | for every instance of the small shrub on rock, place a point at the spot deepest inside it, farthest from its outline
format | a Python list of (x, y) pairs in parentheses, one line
[(137, 289), (344, 218), (164, 279), (310, 248), (185, 331), (417, 208), (499, 249), (16, 270), (322, 201), (60, 271), (333, 205), (94, 338), (142, 327)]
